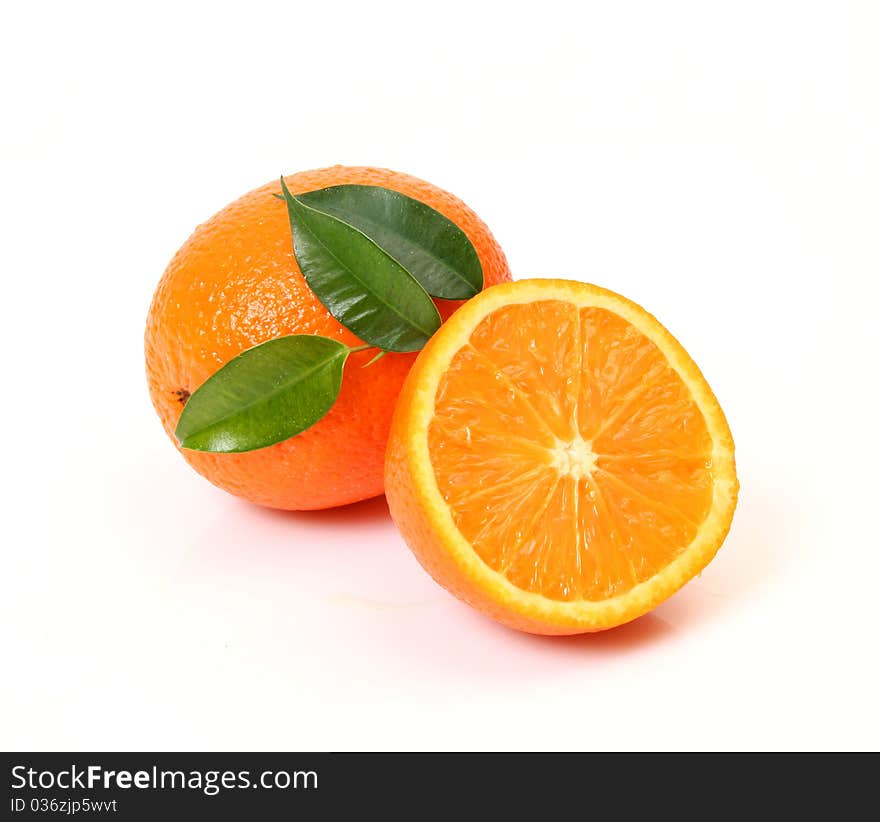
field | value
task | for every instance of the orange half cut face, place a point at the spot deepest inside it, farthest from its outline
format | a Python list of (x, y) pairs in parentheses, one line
[(558, 460)]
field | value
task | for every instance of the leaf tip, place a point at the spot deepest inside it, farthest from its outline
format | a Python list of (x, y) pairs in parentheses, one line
[(284, 188), (180, 434)]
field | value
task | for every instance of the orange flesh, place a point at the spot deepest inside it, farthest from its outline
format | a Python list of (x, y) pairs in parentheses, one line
[(571, 455)]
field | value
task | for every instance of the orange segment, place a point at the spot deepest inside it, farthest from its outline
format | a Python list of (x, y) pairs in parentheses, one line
[(558, 460), (518, 350)]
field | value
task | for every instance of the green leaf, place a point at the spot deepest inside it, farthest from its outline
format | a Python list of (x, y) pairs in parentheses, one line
[(428, 245), (267, 394), (359, 283)]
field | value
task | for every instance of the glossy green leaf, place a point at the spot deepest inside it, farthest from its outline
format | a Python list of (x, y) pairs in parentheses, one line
[(428, 245), (358, 282), (267, 394)]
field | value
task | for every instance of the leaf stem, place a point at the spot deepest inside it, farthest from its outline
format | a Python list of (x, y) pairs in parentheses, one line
[(377, 357), (381, 353)]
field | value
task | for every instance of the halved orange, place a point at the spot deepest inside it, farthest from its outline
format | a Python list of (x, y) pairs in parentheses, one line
[(557, 460)]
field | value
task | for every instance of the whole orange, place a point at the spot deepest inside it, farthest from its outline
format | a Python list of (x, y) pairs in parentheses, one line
[(236, 283)]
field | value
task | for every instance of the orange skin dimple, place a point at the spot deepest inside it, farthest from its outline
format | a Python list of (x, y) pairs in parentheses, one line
[(235, 283)]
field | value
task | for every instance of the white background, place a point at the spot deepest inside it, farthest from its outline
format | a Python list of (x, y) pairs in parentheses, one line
[(717, 162)]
